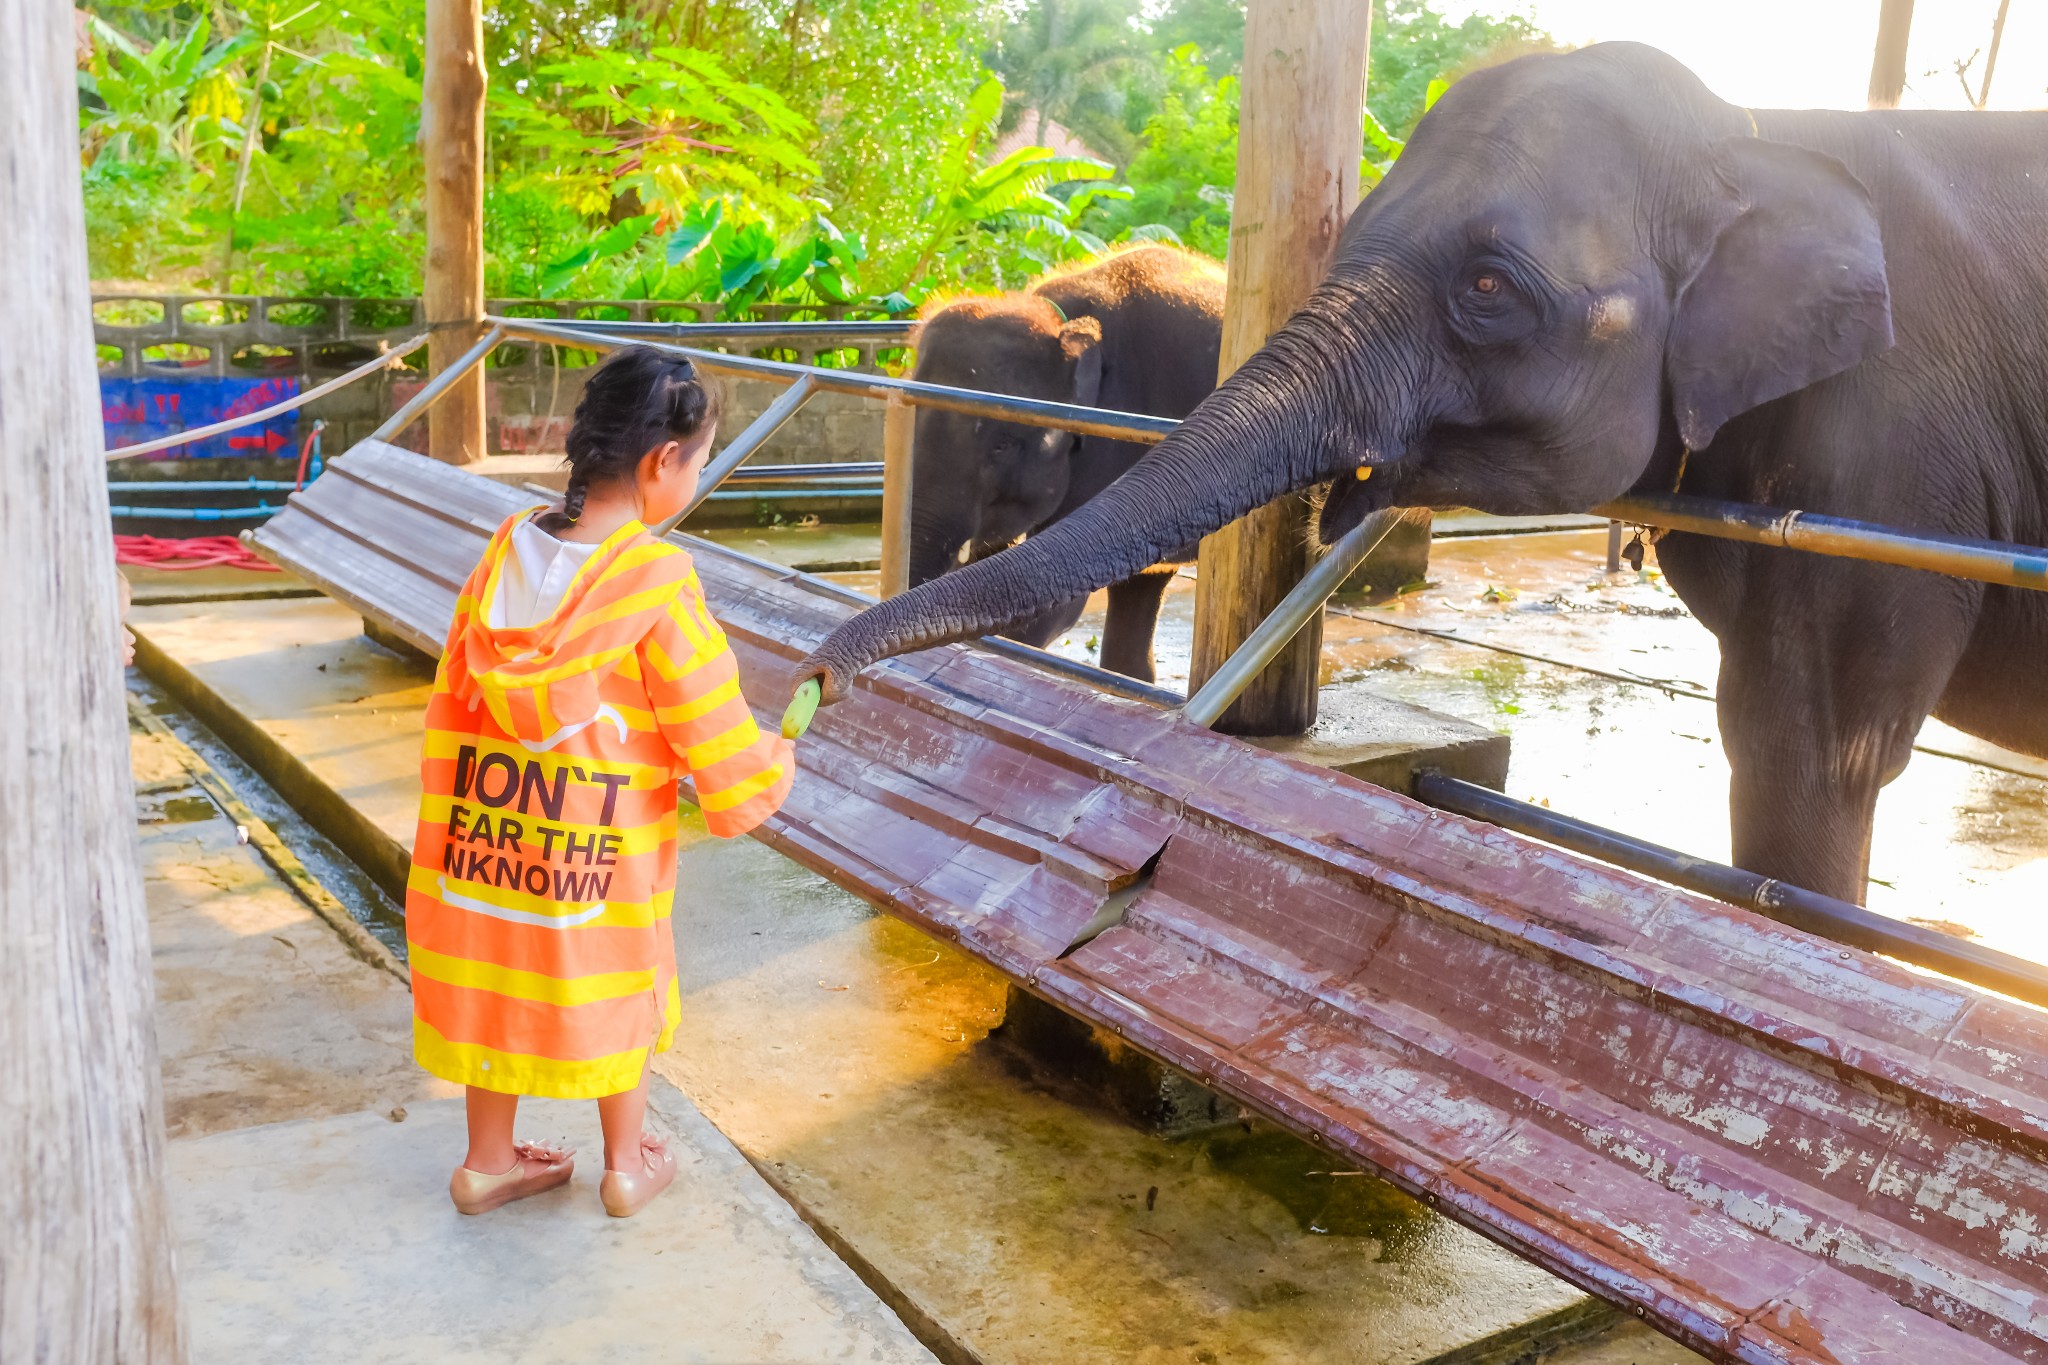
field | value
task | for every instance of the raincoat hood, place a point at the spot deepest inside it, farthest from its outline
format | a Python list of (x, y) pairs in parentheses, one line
[(541, 682)]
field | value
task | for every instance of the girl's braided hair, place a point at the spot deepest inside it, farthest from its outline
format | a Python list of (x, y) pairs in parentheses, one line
[(634, 401)]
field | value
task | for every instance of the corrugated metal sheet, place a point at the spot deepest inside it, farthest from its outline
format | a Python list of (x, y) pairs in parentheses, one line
[(1771, 1147)]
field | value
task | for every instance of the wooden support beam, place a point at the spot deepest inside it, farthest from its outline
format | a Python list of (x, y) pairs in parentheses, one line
[(1888, 61), (1301, 131), (899, 427), (85, 1235), (452, 123)]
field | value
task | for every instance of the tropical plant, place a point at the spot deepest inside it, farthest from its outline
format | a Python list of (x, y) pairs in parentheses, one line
[(822, 153), (1004, 222), (1184, 176), (168, 101), (663, 131), (1074, 62), (723, 250), (1414, 47)]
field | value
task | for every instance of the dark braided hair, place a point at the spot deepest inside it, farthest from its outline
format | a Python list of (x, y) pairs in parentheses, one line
[(637, 399)]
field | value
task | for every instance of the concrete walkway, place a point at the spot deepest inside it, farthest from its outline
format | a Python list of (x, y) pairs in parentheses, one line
[(310, 1158), (851, 1058)]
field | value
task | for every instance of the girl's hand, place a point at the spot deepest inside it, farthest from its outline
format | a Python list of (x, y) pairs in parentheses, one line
[(802, 707)]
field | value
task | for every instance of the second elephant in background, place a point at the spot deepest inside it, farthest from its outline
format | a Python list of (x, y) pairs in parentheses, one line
[(1138, 331)]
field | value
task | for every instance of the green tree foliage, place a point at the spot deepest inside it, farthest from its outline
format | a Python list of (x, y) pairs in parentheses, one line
[(1075, 62), (816, 152), (1183, 175), (809, 126), (1413, 45)]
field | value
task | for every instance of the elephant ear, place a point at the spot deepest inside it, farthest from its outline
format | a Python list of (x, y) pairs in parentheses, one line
[(1793, 289), (1081, 344)]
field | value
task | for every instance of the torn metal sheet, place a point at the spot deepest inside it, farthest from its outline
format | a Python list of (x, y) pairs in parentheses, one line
[(1769, 1146)]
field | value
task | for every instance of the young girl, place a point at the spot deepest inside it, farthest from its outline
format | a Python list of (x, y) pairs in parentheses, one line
[(583, 676)]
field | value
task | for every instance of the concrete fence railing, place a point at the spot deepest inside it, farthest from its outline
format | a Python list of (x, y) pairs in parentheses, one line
[(208, 352)]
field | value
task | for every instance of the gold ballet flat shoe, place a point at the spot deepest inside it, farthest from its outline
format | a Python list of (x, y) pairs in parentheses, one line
[(626, 1194), (480, 1192)]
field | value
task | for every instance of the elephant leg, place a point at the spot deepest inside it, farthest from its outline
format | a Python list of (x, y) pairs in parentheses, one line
[(1133, 615), (1819, 712)]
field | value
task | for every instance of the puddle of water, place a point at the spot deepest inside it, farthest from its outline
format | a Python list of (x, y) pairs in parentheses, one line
[(180, 810), (1324, 1199)]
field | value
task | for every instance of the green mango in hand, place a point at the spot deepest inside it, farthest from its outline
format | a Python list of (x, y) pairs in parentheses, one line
[(802, 707)]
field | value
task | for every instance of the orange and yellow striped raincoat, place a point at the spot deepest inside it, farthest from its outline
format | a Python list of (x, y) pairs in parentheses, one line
[(537, 913)]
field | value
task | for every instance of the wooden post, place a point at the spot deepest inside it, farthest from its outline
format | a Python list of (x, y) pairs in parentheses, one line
[(452, 123), (899, 426), (1888, 62), (85, 1236), (1301, 131)]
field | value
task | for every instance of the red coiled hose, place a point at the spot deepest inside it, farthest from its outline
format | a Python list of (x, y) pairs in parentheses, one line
[(197, 552)]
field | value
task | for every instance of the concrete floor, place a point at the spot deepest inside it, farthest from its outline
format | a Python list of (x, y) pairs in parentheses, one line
[(309, 1161), (848, 1055)]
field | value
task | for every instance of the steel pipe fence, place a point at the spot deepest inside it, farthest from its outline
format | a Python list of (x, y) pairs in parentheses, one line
[(1984, 561)]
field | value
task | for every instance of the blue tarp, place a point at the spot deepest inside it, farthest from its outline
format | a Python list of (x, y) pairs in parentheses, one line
[(137, 410)]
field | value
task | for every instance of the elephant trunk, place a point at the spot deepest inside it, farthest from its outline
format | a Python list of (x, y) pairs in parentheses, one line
[(1324, 396), (936, 533)]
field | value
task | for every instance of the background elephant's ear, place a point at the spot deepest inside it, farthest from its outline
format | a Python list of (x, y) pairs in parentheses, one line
[(1081, 343), (1793, 289)]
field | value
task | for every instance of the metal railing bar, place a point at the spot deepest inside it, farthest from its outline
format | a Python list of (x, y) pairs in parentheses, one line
[(1808, 911), (1303, 602), (746, 443), (248, 419), (864, 471), (757, 332), (1985, 561), (1122, 426), (438, 385), (730, 494), (1100, 678)]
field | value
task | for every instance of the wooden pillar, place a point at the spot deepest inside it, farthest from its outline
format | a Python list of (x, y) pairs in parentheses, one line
[(1301, 131), (452, 124), (85, 1237), (899, 426), (1888, 63)]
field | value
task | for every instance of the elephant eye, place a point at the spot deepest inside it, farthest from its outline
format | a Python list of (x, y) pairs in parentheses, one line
[(1486, 282)]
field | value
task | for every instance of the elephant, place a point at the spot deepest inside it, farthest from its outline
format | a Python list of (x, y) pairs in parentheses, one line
[(1587, 276), (1137, 331)]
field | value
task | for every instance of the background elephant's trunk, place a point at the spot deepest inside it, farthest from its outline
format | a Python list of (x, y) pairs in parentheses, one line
[(1289, 418), (939, 526)]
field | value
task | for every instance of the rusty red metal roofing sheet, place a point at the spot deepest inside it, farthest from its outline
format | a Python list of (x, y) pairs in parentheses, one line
[(1770, 1146)]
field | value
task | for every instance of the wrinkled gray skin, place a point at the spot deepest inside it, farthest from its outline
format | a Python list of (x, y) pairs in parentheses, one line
[(1584, 264), (1138, 332)]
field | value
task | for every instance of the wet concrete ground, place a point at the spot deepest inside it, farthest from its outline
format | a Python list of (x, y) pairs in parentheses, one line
[(309, 1157)]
